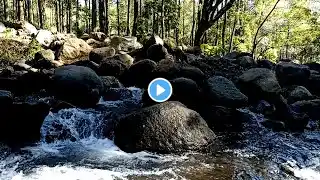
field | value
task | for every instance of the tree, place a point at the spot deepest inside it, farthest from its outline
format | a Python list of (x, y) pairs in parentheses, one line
[(5, 9), (107, 17), (118, 16), (41, 8), (128, 19), (255, 37), (102, 15), (94, 15), (211, 12), (77, 15), (135, 17)]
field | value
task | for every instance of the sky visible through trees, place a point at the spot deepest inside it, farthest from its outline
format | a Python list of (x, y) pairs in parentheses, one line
[(217, 26)]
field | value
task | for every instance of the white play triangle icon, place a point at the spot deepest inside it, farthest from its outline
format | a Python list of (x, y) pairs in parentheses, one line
[(159, 90)]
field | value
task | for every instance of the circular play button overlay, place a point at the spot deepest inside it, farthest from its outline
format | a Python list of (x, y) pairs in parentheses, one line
[(160, 90)]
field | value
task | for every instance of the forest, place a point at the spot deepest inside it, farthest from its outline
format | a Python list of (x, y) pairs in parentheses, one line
[(270, 29)]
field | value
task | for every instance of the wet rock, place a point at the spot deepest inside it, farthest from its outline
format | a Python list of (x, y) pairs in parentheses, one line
[(21, 123), (265, 108), (57, 106), (117, 94), (274, 125), (187, 92), (99, 36), (111, 82), (298, 94), (169, 127), (112, 67), (97, 55), (32, 82), (157, 52), (292, 74), (77, 85), (222, 119), (259, 83), (221, 91), (44, 37), (310, 107), (264, 63), (6, 98), (74, 48), (139, 74)]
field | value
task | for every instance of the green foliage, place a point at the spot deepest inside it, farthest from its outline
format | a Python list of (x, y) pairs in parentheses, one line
[(211, 50)]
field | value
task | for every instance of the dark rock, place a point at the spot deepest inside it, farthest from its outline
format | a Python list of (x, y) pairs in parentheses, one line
[(274, 125), (139, 74), (222, 119), (192, 73), (292, 74), (236, 55), (99, 54), (157, 52), (99, 36), (298, 94), (168, 127), (265, 108), (77, 85), (154, 39), (6, 98), (21, 123), (259, 83), (7, 72), (313, 66), (61, 105), (221, 91), (264, 63), (112, 67), (310, 107), (246, 61), (87, 63), (111, 82), (313, 84), (187, 92), (117, 94), (168, 71), (44, 59)]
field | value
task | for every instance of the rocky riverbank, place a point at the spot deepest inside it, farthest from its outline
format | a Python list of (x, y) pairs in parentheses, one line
[(207, 91)]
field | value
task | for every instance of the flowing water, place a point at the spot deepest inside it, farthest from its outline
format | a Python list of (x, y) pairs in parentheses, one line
[(85, 155)]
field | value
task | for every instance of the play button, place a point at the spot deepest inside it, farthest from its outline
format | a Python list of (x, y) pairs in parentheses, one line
[(160, 90)]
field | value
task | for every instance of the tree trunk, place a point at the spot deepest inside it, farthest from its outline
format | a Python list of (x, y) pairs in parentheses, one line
[(162, 19), (254, 46), (101, 15), (19, 11), (94, 14), (140, 9), (193, 21), (77, 15), (107, 17), (224, 29), (202, 28), (232, 32), (135, 16), (177, 27), (216, 41), (5, 9), (128, 19), (118, 16), (41, 19), (29, 6), (57, 15), (69, 16)]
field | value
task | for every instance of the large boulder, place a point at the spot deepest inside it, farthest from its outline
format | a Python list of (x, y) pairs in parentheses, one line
[(21, 123), (44, 59), (264, 63), (111, 82), (44, 37), (298, 94), (157, 52), (139, 74), (78, 85), (187, 92), (259, 83), (221, 91), (112, 67), (313, 84), (98, 54), (168, 127), (99, 36), (154, 39), (2, 27), (289, 73), (246, 61), (74, 48), (29, 28), (125, 58), (310, 107)]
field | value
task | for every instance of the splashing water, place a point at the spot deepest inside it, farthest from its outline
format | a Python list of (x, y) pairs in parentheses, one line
[(73, 147)]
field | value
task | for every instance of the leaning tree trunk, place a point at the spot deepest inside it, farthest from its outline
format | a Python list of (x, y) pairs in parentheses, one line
[(254, 46), (211, 12), (135, 17)]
